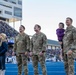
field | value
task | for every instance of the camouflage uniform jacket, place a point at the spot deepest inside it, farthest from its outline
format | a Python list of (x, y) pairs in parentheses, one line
[(69, 40), (22, 43), (38, 43)]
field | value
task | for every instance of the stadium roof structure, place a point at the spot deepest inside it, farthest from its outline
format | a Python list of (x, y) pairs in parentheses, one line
[(52, 42)]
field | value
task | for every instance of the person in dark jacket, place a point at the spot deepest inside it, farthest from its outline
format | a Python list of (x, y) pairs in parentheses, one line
[(60, 33), (3, 49)]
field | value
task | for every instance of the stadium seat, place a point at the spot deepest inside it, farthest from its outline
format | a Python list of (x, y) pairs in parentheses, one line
[(53, 68)]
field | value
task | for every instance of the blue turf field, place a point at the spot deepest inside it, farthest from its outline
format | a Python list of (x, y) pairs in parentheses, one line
[(53, 68)]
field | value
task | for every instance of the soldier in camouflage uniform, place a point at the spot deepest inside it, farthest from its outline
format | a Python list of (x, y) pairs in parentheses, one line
[(38, 48), (21, 48), (69, 47)]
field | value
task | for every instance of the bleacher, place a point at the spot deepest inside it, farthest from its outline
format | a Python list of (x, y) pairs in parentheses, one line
[(7, 29), (53, 68)]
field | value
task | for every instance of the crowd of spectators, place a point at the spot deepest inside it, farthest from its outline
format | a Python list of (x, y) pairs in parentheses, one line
[(54, 54), (8, 30)]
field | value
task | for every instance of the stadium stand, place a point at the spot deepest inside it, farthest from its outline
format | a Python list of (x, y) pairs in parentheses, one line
[(53, 68), (8, 30)]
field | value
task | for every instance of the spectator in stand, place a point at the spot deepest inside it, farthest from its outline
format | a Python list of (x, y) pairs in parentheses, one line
[(58, 55), (10, 50), (3, 49)]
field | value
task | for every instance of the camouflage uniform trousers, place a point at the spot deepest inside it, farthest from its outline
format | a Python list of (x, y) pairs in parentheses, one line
[(69, 63), (41, 59), (22, 61)]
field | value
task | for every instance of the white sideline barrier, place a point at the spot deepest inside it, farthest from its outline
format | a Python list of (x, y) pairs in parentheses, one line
[(11, 60)]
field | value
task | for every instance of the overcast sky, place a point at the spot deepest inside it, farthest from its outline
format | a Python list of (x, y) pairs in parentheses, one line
[(47, 13)]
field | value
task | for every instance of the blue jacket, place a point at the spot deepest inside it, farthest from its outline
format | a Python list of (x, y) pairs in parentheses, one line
[(3, 48)]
